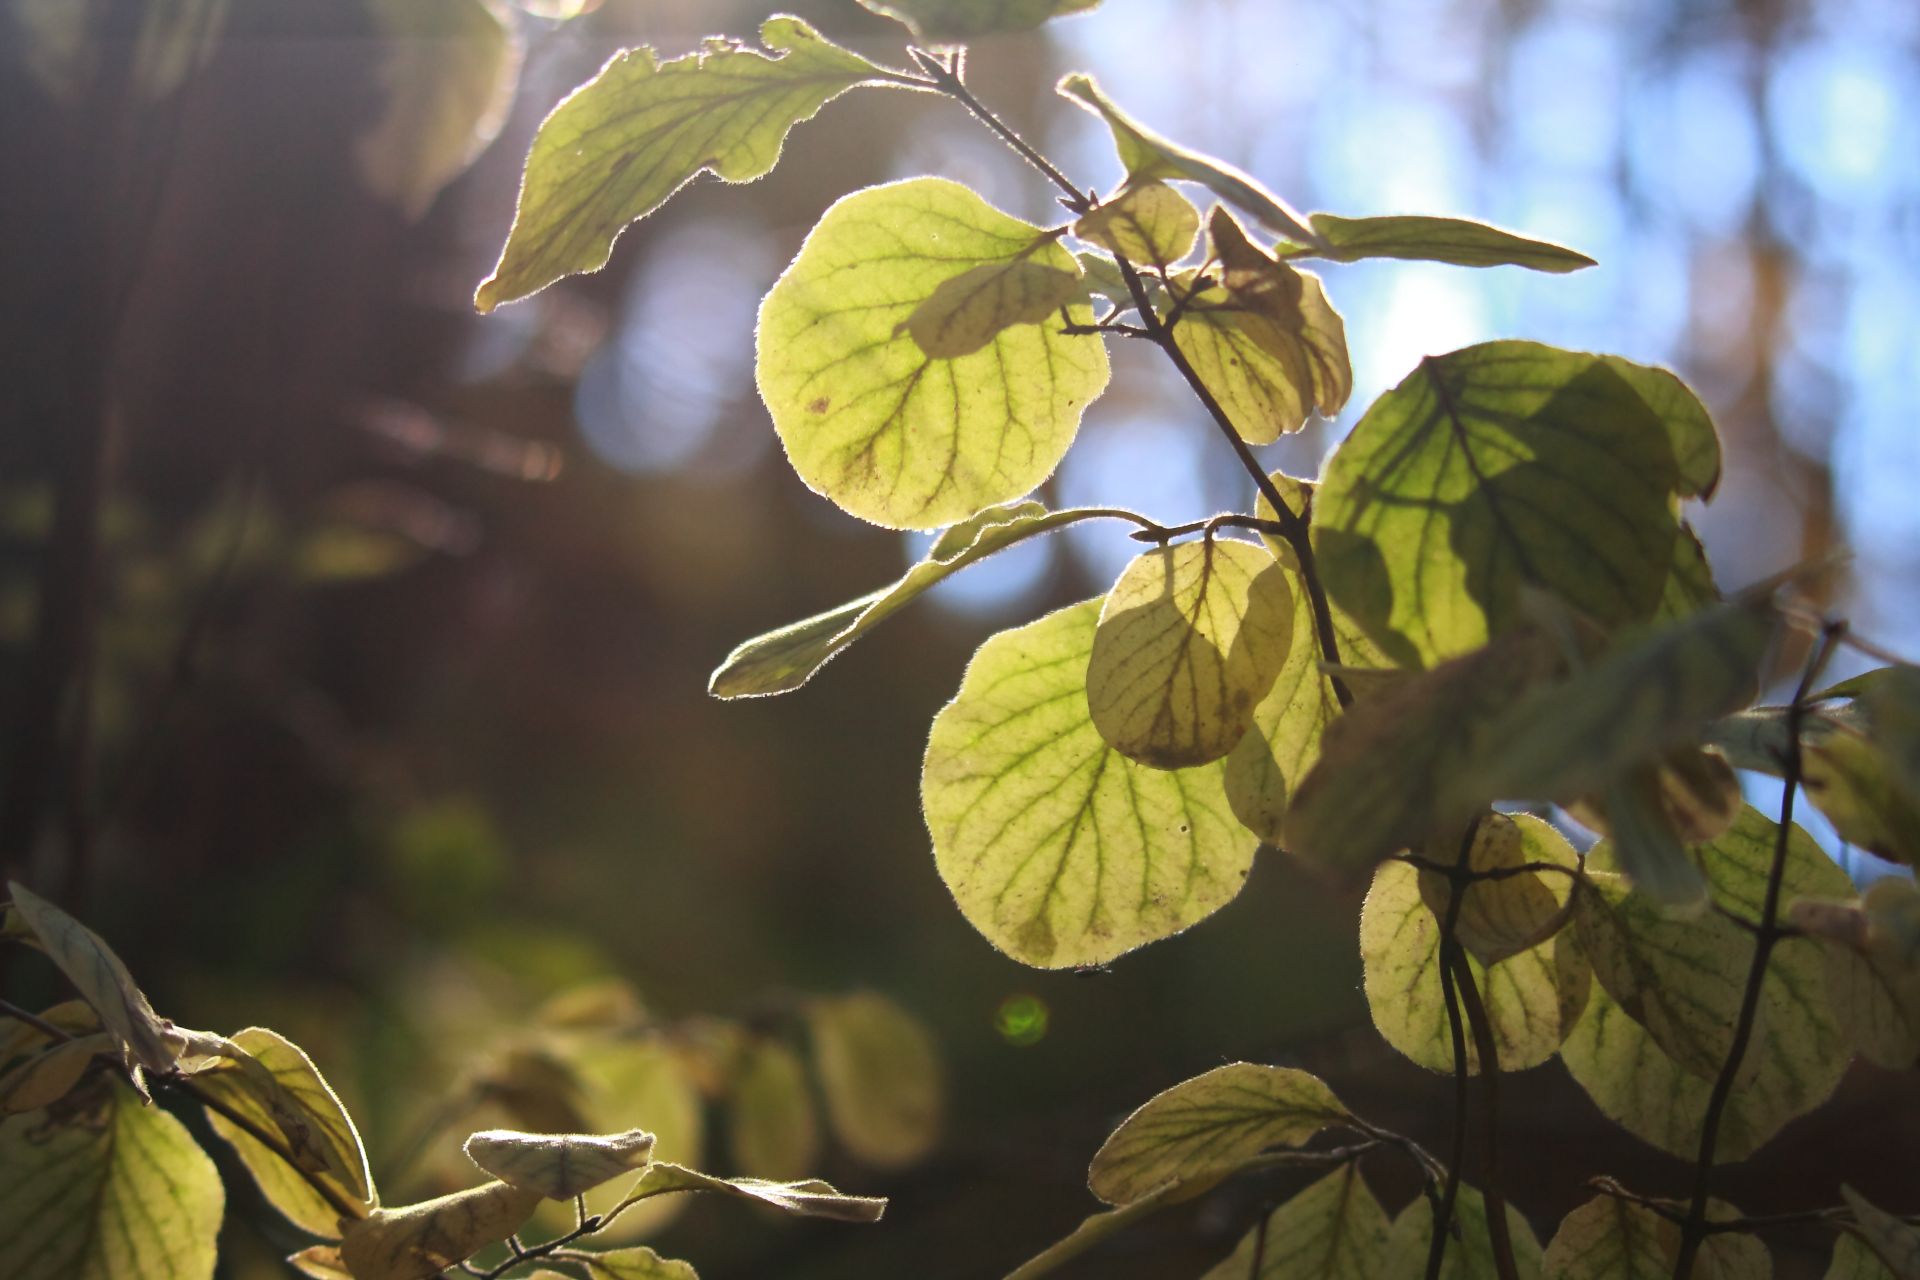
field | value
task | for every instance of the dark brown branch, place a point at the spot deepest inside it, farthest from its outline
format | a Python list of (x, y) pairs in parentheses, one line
[(1489, 1054)]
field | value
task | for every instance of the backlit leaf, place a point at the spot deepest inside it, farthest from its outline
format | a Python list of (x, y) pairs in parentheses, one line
[(448, 70), (1504, 916), (1496, 468), (1533, 999), (881, 1077), (808, 1198), (1608, 1238), (1189, 641), (113, 1189), (1797, 1049), (961, 20), (1058, 848), (52, 1073), (1853, 1260), (783, 660), (419, 1241), (559, 1166), (1151, 158), (1092, 1231), (869, 419), (102, 980), (771, 1123), (1467, 1256), (638, 1263), (1150, 224), (1206, 1127), (1894, 1242), (966, 312), (1872, 951), (636, 1082), (626, 140), (1333, 1230), (1454, 240)]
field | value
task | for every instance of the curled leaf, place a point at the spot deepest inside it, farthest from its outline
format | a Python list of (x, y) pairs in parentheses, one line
[(559, 1166)]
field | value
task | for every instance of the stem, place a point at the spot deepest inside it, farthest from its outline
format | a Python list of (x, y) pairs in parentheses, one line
[(1489, 1055), (8, 1009), (948, 81), (1694, 1230), (1443, 1215)]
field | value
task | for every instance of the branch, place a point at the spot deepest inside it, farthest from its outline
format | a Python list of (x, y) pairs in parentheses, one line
[(1489, 1055), (1694, 1229), (1443, 1216)]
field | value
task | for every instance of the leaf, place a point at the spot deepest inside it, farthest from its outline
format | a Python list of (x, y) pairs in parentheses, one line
[(957, 21), (1467, 1256), (1092, 1231), (808, 1198), (1654, 811), (112, 1189), (1453, 240), (22, 1039), (1493, 469), (278, 1090), (880, 1075), (772, 1127), (1608, 1238), (1402, 763), (1189, 641), (1893, 1242), (1853, 1260), (618, 146), (1204, 1128), (1533, 1000), (1872, 953), (1333, 1230), (448, 69), (62, 45), (638, 1263), (968, 311), (1500, 918), (321, 1262), (102, 980), (1151, 158), (1149, 223), (1890, 696), (559, 1166), (636, 1082), (871, 420), (781, 661), (1796, 1045), (419, 1241), (51, 1074), (1267, 344), (1059, 849)]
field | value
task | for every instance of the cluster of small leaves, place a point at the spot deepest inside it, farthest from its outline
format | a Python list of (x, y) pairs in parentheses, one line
[(1490, 595), (98, 1180)]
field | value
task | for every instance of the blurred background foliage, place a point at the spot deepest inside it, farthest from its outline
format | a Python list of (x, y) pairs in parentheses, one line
[(395, 640)]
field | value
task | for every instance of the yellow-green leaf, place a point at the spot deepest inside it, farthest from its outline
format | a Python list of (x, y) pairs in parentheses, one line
[(1092, 1231), (1333, 1230), (1495, 469), (52, 1073), (1149, 223), (625, 141), (102, 980), (638, 1263), (1205, 1128), (956, 21), (771, 1124), (1190, 640), (276, 1087), (1058, 848), (1872, 950), (1533, 999), (807, 1198), (635, 1082), (1894, 1242), (783, 660), (881, 1076), (448, 70), (559, 1166), (1853, 1260), (1151, 158), (1468, 1254), (1797, 1051), (869, 419), (966, 312), (1516, 910), (419, 1241), (1608, 1238), (1458, 241), (113, 1189)]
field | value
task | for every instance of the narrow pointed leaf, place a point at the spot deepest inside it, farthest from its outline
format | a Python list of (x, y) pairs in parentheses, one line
[(1333, 1230), (419, 1241), (559, 1166), (880, 1075), (1467, 1255), (808, 1198), (955, 21), (871, 420), (1058, 848), (625, 141), (1190, 640), (1458, 241), (115, 1188), (1151, 158), (1150, 224), (1207, 1127)]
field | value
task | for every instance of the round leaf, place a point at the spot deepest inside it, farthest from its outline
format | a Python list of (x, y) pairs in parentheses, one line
[(771, 1124), (1608, 1238), (881, 1077), (1518, 910)]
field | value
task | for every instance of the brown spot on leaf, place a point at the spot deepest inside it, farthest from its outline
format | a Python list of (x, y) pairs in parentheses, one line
[(818, 406)]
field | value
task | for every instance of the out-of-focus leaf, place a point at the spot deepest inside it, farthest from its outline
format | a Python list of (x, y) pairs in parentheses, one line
[(868, 417), (637, 1082), (807, 1198), (1058, 848), (419, 1241), (771, 1123), (956, 21), (1203, 1129), (559, 1166), (1150, 224), (112, 1189), (1458, 241), (174, 39), (1853, 1260), (638, 1263), (625, 141), (1333, 1230), (321, 1262), (881, 1076), (1893, 1242)]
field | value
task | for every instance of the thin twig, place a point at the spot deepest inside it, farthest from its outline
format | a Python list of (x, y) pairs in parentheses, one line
[(1489, 1055), (1209, 526), (8, 1009), (1693, 1231), (1443, 1217), (948, 80)]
